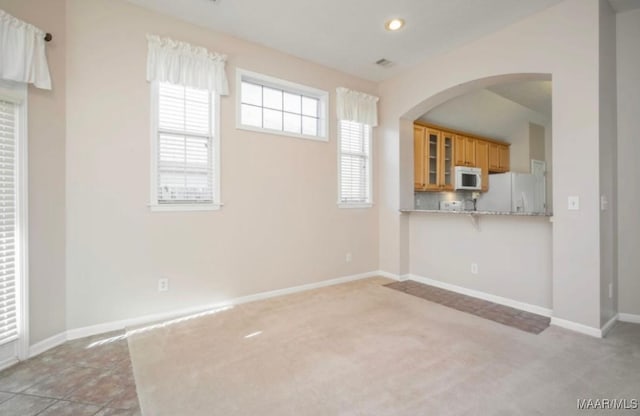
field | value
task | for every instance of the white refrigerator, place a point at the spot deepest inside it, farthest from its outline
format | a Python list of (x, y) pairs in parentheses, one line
[(514, 192)]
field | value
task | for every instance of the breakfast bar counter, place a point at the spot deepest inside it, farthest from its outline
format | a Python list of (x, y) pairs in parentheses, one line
[(473, 213)]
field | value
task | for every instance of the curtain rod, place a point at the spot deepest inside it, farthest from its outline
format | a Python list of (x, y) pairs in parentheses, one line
[(48, 37)]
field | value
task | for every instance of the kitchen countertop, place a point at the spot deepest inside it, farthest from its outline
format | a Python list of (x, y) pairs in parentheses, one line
[(468, 212)]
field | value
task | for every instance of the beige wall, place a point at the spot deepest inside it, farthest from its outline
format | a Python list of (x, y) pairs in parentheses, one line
[(536, 142), (519, 160), (529, 46), (279, 227), (608, 161), (628, 71), (548, 156), (46, 114), (444, 246), (527, 144)]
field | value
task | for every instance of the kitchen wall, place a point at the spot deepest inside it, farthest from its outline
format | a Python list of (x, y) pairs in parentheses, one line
[(628, 83), (514, 265), (431, 200), (46, 142), (280, 225), (528, 144), (608, 162), (530, 46), (536, 142), (519, 160)]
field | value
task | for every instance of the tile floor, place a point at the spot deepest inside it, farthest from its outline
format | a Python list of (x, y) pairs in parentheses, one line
[(85, 377), (516, 318)]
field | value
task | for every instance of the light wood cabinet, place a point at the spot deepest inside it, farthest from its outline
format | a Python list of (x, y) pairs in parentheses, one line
[(437, 151), (482, 162), (503, 158), (433, 160), (493, 157), (498, 158), (465, 150), (418, 157)]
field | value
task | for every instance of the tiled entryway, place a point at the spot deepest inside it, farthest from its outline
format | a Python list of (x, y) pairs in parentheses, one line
[(516, 318), (86, 377)]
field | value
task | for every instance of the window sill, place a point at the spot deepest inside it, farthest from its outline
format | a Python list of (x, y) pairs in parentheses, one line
[(184, 207), (355, 205)]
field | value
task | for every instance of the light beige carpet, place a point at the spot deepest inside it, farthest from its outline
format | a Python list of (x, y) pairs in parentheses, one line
[(363, 349)]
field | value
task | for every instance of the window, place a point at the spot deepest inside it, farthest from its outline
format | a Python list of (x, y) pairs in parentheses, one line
[(281, 107), (13, 221), (186, 149), (354, 165)]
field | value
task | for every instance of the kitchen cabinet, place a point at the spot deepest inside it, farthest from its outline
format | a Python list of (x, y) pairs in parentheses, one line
[(433, 159), (418, 157), (437, 150), (465, 150), (503, 158), (498, 158), (482, 162)]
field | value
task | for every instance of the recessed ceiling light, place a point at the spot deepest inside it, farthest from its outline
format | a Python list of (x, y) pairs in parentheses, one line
[(394, 24)]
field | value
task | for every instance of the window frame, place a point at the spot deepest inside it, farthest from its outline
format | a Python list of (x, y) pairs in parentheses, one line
[(154, 204), (18, 94), (369, 203), (286, 86)]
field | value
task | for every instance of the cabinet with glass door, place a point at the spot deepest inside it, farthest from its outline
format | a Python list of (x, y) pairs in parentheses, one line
[(433, 159)]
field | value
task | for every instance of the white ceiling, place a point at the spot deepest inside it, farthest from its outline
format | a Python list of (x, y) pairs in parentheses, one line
[(349, 35), (489, 114), (535, 95)]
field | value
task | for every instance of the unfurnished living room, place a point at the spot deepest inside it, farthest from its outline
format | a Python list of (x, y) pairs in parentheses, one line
[(360, 207)]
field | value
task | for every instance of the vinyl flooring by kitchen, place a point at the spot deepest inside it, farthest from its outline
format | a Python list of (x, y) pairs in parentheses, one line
[(86, 377)]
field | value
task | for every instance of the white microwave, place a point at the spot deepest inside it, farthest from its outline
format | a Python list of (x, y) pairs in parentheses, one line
[(468, 178)]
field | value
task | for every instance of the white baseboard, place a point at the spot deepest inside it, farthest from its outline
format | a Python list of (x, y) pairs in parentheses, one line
[(398, 277), (607, 327), (539, 310), (8, 363), (576, 327), (629, 317), (388, 275), (47, 344), (121, 324)]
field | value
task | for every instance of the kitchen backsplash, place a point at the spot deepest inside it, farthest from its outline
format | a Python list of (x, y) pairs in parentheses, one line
[(431, 200)]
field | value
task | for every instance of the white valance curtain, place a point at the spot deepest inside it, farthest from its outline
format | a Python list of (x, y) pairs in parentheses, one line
[(22, 52), (357, 106), (180, 63)]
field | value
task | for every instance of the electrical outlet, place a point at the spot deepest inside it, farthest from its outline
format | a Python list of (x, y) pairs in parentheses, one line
[(474, 268), (348, 257), (163, 284)]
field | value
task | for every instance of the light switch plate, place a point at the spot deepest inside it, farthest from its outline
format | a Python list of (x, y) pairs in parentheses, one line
[(574, 203), (604, 203)]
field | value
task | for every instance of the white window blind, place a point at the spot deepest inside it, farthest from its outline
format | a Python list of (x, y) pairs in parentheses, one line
[(185, 146), (8, 319), (355, 163)]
